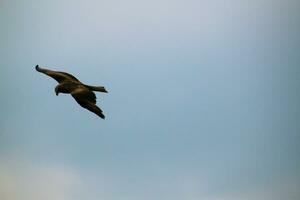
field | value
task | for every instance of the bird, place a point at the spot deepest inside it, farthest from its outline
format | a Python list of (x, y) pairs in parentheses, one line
[(69, 84)]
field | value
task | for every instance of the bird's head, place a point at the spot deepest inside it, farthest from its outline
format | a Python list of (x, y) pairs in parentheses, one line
[(57, 90)]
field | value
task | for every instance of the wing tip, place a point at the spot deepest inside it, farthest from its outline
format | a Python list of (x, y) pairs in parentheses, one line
[(101, 116), (37, 68)]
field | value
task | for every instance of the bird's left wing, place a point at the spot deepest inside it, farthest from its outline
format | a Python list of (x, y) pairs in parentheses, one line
[(58, 76)]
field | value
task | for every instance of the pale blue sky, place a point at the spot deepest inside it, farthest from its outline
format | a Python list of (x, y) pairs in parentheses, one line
[(203, 100)]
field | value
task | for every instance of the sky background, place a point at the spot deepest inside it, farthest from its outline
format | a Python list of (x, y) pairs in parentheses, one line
[(203, 100)]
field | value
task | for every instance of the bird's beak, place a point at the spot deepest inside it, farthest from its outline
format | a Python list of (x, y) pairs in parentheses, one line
[(56, 93)]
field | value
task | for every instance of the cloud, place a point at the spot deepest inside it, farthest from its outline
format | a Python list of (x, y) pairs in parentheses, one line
[(36, 181), (284, 188)]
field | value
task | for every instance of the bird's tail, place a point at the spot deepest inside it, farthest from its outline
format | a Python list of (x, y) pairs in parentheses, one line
[(97, 88)]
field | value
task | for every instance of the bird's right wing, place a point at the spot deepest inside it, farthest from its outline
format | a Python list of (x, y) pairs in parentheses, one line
[(87, 99), (58, 76)]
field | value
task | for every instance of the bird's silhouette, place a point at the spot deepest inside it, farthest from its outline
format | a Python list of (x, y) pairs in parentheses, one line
[(82, 93)]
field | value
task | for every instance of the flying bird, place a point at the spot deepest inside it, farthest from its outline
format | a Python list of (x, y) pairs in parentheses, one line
[(82, 93)]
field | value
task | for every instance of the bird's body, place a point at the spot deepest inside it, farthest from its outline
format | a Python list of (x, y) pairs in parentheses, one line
[(82, 93)]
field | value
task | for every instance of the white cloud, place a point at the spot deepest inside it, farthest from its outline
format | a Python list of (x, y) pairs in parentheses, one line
[(27, 180), (284, 188), (32, 181)]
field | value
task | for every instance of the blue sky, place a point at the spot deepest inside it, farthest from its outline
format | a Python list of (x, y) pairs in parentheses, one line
[(203, 100)]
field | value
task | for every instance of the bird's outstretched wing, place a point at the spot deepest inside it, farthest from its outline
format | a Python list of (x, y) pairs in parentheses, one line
[(58, 76), (87, 99)]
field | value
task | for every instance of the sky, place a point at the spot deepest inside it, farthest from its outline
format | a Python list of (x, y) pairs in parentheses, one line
[(203, 100)]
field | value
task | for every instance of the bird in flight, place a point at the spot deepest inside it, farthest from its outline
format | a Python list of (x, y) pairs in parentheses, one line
[(82, 93)]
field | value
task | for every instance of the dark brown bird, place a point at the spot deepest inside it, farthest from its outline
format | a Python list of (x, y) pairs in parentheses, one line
[(82, 93)]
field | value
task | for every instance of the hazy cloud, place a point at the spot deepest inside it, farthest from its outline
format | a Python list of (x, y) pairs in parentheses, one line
[(23, 180)]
